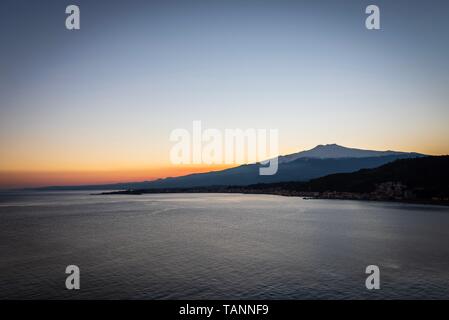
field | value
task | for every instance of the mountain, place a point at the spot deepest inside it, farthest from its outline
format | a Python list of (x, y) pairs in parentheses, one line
[(302, 166), (335, 151)]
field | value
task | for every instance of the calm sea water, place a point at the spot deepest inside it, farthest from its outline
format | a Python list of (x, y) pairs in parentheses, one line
[(219, 246)]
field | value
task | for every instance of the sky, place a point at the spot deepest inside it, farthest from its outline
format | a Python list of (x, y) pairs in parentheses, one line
[(97, 105)]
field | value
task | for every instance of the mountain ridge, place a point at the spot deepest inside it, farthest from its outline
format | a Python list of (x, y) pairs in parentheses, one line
[(394, 181), (336, 151), (302, 166)]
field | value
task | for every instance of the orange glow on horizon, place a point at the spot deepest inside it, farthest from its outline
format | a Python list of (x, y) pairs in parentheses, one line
[(34, 170), (27, 179)]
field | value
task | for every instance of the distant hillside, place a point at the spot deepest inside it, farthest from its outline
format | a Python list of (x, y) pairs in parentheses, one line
[(302, 169), (424, 178), (317, 162), (413, 180), (428, 176)]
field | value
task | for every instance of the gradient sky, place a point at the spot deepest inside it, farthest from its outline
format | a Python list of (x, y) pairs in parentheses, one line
[(98, 104)]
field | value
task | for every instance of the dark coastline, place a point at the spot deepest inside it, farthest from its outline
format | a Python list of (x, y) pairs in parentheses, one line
[(282, 193), (420, 180)]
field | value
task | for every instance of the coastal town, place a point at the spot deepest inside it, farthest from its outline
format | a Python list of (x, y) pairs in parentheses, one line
[(385, 191)]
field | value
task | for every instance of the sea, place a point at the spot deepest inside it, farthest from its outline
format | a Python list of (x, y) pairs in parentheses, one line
[(219, 246)]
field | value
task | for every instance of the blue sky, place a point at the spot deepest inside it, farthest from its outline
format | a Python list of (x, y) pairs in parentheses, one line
[(108, 95)]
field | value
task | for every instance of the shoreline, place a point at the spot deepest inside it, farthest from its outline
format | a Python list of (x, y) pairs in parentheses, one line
[(305, 196)]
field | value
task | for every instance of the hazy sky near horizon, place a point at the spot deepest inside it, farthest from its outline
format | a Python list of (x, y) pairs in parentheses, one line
[(104, 99)]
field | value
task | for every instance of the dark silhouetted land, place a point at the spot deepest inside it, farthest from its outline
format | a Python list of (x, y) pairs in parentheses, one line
[(424, 179)]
